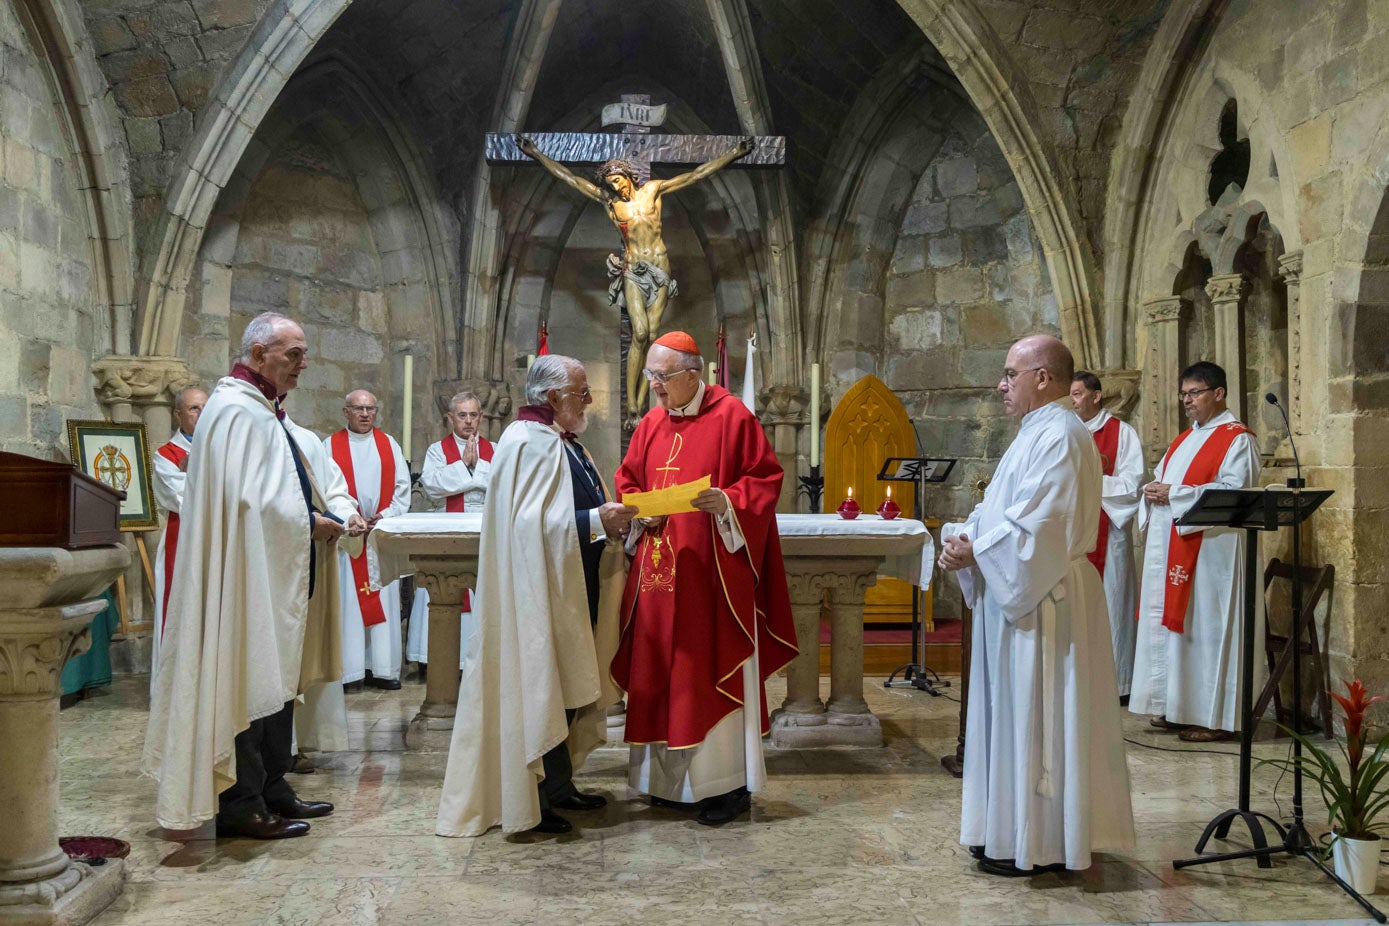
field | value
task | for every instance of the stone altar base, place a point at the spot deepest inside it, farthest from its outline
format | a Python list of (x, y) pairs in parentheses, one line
[(830, 728), (88, 891), (429, 734)]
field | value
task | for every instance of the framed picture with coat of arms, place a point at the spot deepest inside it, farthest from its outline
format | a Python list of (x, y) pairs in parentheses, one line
[(118, 454)]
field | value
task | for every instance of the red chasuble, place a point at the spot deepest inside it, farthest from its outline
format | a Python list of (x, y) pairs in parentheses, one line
[(1183, 550), (368, 598), (1107, 442), (691, 608), (175, 455)]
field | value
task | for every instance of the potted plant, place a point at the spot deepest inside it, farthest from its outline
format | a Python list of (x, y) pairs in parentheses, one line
[(1355, 800)]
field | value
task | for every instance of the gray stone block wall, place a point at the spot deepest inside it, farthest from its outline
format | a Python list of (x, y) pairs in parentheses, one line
[(49, 329)]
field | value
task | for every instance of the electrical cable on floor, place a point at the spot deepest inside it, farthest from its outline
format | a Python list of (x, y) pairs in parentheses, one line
[(1209, 752)]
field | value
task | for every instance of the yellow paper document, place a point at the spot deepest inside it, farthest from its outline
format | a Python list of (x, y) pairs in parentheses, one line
[(671, 500)]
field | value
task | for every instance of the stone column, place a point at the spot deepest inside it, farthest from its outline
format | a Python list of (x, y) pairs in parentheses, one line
[(445, 578), (48, 605), (846, 719), (1166, 319), (1290, 271), (784, 410), (1227, 292)]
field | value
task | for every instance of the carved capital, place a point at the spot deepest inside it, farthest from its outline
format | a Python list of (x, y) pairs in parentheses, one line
[(846, 580), (1290, 267), (31, 662), (1227, 287), (1165, 309), (140, 381), (784, 405), (446, 580), (1120, 390)]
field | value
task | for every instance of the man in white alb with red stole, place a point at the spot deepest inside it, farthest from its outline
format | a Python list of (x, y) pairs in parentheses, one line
[(455, 474), (379, 479), (1191, 605), (1121, 455), (170, 474), (706, 617)]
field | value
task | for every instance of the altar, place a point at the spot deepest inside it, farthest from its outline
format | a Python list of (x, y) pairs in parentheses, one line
[(828, 561)]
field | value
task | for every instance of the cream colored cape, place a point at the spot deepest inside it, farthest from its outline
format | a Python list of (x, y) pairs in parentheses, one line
[(533, 655), (246, 641)]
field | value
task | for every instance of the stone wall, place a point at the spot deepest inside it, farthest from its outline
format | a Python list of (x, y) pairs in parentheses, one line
[(50, 327)]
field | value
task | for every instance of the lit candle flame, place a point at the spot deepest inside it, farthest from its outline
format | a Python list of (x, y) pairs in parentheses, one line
[(889, 491), (851, 491)]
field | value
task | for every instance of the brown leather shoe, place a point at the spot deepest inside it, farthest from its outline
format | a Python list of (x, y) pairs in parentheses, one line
[(1162, 723), (302, 810), (261, 826), (1204, 735)]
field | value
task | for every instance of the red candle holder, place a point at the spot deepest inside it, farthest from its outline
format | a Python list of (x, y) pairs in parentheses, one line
[(849, 509), (889, 509)]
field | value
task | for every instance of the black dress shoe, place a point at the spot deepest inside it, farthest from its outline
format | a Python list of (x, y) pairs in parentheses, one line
[(385, 684), (580, 801), (725, 808), (673, 805), (552, 823), (1005, 868), (302, 810), (260, 826), (976, 852)]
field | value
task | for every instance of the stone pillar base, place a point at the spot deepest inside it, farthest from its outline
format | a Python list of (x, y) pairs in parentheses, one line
[(76, 896), (429, 734), (811, 731)]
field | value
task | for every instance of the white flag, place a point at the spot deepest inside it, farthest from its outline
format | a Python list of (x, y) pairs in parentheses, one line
[(749, 388)]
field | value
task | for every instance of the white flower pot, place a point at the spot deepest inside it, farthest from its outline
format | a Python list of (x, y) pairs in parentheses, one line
[(1357, 862)]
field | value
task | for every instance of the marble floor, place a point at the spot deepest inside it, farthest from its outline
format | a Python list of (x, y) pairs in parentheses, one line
[(839, 836)]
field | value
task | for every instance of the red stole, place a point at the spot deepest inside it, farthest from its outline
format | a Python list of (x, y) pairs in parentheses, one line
[(691, 610), (175, 455), (454, 503), (368, 598), (1107, 442), (1182, 551), (452, 454)]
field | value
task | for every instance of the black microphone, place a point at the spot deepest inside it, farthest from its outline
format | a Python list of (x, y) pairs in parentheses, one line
[(1272, 399)]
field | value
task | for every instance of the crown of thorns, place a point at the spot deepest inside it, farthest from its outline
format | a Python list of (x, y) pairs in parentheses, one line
[(620, 166)]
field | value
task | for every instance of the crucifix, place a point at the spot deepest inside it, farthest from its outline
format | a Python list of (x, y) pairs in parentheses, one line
[(641, 279)]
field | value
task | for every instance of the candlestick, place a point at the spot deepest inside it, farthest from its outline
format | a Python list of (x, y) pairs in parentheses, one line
[(408, 415), (815, 414)]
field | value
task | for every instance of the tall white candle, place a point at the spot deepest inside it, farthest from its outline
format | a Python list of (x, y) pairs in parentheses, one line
[(409, 410), (530, 361), (713, 372), (815, 414)]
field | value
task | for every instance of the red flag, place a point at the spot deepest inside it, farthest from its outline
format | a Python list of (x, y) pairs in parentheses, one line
[(721, 357), (544, 347)]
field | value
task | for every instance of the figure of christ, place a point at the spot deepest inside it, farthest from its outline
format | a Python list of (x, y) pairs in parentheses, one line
[(641, 276)]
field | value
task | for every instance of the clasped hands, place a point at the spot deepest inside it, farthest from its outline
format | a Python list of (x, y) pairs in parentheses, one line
[(1157, 493), (958, 553)]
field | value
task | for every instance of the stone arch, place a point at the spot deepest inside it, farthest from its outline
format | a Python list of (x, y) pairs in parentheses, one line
[(97, 145), (331, 99), (283, 37), (978, 58)]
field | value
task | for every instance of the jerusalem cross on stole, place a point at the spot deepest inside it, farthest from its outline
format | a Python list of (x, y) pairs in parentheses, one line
[(368, 598)]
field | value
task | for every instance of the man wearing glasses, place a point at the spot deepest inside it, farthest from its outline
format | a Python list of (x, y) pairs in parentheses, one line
[(379, 479), (706, 617), (1191, 602)]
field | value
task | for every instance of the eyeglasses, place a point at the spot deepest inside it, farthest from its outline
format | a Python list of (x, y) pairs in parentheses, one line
[(586, 394), (1010, 375), (360, 408), (1193, 393), (653, 377)]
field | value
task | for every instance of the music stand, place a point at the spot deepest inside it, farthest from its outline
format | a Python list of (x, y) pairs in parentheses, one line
[(919, 470), (1255, 510)]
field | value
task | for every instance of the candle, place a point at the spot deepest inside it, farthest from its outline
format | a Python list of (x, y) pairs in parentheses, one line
[(530, 361), (889, 491), (713, 372), (409, 408), (851, 491), (815, 416)]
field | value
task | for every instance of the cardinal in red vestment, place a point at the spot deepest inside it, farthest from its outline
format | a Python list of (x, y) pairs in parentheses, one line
[(706, 617)]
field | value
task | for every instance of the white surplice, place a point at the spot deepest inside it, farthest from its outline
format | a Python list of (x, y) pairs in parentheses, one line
[(1120, 501), (168, 492), (1193, 677), (375, 648), (441, 479), (730, 756), (1045, 776), (534, 655), (247, 639)]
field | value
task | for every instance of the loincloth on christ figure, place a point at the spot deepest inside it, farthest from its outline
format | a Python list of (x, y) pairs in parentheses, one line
[(648, 277)]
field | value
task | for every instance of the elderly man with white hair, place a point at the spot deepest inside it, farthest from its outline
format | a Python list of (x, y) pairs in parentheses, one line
[(251, 636)]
